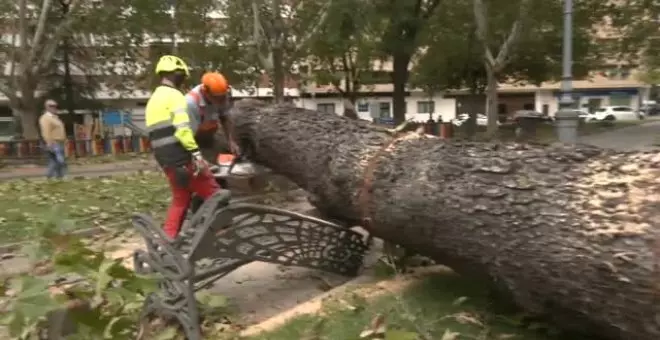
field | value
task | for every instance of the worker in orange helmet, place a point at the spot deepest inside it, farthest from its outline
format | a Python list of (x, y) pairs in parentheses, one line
[(208, 107)]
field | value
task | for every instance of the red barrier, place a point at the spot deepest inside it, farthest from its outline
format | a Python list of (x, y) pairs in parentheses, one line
[(446, 130), (127, 144), (81, 148), (117, 146), (4, 149)]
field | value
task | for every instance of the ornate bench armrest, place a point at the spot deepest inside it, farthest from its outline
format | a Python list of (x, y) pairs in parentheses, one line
[(163, 256)]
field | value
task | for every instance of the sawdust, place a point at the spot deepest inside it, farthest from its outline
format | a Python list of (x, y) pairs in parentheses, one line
[(618, 197)]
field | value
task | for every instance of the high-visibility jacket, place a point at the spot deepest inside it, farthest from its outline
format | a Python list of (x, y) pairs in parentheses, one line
[(204, 116), (168, 125)]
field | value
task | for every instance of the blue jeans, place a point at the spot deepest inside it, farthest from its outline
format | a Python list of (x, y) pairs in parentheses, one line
[(56, 161)]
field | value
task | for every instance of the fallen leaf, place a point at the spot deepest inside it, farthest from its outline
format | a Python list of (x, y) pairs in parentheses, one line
[(467, 318), (449, 335), (376, 327), (460, 300)]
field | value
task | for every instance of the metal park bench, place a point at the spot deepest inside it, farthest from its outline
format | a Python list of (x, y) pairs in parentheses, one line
[(223, 236)]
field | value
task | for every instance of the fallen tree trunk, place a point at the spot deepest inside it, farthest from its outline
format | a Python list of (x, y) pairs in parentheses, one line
[(570, 232)]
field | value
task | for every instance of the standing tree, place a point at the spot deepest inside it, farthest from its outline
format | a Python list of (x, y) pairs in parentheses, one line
[(451, 58), (277, 32), (454, 55), (636, 41), (205, 45), (494, 62), (343, 49), (403, 22), (113, 32)]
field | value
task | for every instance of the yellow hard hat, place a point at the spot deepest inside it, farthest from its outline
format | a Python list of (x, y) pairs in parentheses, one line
[(170, 63)]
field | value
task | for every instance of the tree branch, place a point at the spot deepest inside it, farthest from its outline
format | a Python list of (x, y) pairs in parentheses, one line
[(257, 35), (512, 39), (51, 46), (39, 32), (319, 24), (23, 33), (481, 21)]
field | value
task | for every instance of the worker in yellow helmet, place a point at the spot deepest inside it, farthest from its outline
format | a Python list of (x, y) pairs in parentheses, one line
[(173, 142)]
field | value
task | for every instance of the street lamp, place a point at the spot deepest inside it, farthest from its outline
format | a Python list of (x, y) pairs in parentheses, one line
[(567, 117)]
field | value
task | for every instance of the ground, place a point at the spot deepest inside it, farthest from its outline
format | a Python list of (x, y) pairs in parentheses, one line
[(440, 306), (87, 202), (447, 307), (637, 137)]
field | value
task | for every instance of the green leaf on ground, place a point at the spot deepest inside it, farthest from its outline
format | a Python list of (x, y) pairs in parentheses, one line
[(442, 306), (30, 206)]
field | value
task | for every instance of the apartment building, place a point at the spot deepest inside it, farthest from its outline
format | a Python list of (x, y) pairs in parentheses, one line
[(615, 85)]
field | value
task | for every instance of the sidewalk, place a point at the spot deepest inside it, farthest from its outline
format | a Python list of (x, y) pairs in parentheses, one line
[(31, 171)]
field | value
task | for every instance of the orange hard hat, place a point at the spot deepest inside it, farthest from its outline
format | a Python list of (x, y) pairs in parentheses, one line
[(215, 83)]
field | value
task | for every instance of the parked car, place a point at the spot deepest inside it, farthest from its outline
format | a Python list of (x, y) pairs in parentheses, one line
[(613, 113), (531, 113), (583, 115), (482, 120), (650, 108)]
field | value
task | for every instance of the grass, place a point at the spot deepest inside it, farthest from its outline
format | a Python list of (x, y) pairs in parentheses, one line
[(29, 204), (442, 307)]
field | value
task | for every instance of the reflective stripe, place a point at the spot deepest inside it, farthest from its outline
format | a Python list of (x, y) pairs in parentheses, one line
[(158, 126), (164, 141), (182, 125), (180, 111)]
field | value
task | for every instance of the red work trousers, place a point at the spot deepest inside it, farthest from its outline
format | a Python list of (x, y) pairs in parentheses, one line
[(202, 184)]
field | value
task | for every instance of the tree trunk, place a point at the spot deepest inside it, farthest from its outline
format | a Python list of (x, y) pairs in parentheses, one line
[(491, 102), (29, 113), (278, 74), (349, 109), (399, 78), (569, 232)]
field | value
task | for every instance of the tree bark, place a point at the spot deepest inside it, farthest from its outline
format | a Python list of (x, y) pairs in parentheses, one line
[(399, 79), (278, 74), (570, 232), (491, 102)]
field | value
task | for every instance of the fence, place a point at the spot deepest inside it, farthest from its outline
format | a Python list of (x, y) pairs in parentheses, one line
[(80, 148)]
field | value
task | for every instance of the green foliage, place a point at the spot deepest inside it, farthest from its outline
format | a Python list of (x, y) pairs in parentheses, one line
[(103, 300), (454, 58), (344, 47), (635, 23), (275, 38)]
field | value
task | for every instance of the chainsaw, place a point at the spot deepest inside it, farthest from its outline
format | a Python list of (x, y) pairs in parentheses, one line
[(229, 165)]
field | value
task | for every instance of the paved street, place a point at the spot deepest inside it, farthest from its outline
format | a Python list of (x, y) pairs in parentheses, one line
[(638, 137)]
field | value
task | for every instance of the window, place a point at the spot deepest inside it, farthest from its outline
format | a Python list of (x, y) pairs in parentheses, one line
[(7, 128), (620, 100), (385, 110), (363, 106), (622, 109), (426, 106), (529, 107), (325, 107), (545, 109)]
